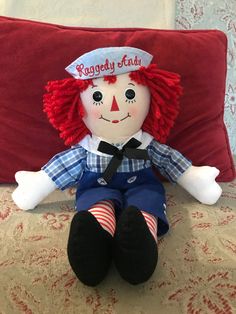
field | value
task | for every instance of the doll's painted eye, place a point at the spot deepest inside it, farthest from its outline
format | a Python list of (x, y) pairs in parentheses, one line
[(130, 95), (97, 97)]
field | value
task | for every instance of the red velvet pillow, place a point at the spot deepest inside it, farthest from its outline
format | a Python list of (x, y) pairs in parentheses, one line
[(33, 53)]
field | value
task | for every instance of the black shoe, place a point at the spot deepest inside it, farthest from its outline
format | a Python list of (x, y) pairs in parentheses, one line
[(89, 249), (135, 252)]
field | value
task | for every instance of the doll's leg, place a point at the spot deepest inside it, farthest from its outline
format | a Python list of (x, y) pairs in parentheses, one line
[(151, 222), (104, 212), (136, 251), (90, 242)]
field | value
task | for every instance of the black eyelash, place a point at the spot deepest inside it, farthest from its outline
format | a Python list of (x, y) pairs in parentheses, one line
[(98, 103), (130, 101)]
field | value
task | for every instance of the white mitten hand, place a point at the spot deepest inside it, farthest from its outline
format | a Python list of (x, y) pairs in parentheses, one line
[(32, 188), (200, 183)]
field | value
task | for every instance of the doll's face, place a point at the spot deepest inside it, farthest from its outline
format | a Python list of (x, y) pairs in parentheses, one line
[(115, 111)]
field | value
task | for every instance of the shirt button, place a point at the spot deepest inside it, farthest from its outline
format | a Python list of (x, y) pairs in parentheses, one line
[(101, 181), (131, 179), (164, 205)]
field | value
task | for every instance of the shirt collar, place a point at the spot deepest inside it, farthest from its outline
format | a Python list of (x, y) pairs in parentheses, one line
[(90, 143)]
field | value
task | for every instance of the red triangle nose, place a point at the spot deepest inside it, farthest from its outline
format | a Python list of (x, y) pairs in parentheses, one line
[(114, 106)]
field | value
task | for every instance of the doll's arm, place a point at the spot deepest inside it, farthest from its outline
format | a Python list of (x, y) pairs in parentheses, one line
[(200, 183), (62, 171), (32, 188)]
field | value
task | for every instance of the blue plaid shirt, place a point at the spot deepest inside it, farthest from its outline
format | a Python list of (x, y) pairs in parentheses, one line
[(67, 168)]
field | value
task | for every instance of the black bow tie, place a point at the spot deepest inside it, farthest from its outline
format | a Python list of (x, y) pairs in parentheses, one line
[(129, 150)]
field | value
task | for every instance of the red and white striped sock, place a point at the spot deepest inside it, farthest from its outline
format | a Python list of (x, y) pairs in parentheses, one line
[(104, 212), (151, 222)]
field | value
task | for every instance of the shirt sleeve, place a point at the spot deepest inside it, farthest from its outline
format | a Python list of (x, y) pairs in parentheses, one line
[(170, 163), (66, 168)]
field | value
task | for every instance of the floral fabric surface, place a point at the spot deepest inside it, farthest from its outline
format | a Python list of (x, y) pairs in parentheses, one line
[(196, 270), (217, 14)]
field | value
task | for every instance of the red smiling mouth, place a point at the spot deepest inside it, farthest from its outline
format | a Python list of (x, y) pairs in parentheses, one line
[(116, 121)]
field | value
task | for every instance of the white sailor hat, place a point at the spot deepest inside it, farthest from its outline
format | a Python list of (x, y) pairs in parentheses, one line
[(108, 61)]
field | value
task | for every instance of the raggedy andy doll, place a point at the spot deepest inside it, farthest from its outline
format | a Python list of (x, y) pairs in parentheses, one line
[(115, 113)]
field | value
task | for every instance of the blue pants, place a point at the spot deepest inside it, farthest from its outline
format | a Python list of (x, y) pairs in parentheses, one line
[(141, 189)]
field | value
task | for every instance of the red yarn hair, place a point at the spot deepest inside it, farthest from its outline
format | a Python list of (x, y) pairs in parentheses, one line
[(64, 108), (165, 91)]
